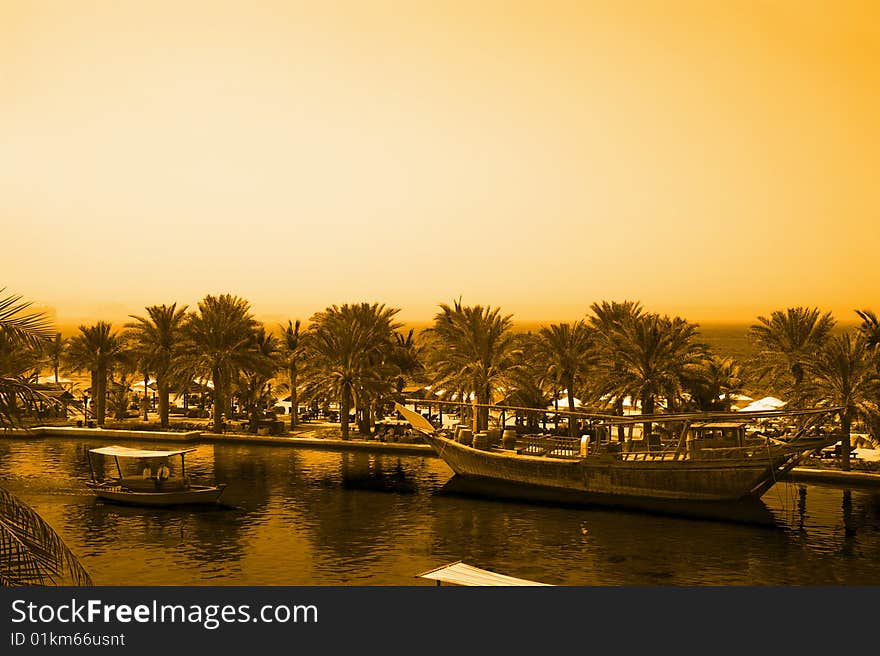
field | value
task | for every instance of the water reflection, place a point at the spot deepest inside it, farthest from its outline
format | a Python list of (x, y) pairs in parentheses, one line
[(300, 517)]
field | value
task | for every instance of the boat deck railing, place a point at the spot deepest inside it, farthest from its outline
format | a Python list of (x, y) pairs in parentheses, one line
[(572, 448), (549, 445)]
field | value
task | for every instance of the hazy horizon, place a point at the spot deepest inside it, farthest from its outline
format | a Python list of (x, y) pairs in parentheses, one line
[(275, 321), (712, 160)]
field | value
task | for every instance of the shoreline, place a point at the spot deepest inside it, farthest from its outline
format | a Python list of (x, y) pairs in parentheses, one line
[(206, 437), (804, 474)]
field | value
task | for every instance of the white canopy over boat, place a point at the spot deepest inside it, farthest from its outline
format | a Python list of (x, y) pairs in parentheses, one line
[(460, 573), (125, 452)]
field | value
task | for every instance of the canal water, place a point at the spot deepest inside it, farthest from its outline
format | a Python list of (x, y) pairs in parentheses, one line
[(314, 517)]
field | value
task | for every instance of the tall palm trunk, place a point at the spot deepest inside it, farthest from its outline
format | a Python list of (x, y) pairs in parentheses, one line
[(484, 412), (344, 406), (94, 376), (294, 403), (845, 425), (164, 393), (618, 410), (101, 397), (475, 415), (648, 409), (146, 396), (572, 422), (217, 377)]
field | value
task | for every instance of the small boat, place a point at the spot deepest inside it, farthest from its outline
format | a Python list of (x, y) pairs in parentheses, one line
[(707, 458), (149, 478)]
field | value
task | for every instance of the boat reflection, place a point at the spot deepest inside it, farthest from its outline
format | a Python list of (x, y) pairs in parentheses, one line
[(749, 511)]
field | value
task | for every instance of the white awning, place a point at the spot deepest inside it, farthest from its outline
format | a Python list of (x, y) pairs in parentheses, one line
[(563, 404), (463, 574), (416, 420), (762, 405), (45, 380), (125, 452)]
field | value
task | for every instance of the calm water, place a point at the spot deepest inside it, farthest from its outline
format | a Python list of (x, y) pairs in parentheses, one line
[(308, 517)]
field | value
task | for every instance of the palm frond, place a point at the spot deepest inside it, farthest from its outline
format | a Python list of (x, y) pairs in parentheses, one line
[(31, 328), (31, 552)]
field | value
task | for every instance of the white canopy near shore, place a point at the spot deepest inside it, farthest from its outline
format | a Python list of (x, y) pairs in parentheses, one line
[(562, 402), (763, 405)]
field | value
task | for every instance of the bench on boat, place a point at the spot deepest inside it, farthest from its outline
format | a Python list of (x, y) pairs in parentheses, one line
[(140, 484)]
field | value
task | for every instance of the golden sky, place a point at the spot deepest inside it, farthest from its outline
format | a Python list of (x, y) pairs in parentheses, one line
[(712, 159)]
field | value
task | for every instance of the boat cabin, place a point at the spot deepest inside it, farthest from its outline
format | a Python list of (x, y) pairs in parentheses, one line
[(718, 434)]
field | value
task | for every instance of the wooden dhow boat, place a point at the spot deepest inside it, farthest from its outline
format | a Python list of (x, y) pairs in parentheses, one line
[(706, 457), (148, 478)]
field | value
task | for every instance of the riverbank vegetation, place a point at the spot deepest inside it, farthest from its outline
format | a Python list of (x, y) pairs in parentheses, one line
[(351, 361)]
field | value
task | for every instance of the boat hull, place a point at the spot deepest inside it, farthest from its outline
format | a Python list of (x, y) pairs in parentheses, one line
[(611, 480), (195, 495)]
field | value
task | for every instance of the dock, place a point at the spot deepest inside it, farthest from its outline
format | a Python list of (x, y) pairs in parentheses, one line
[(306, 439), (459, 573)]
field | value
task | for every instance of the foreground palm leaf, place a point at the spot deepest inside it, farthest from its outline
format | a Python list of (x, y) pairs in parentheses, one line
[(29, 329), (31, 552)]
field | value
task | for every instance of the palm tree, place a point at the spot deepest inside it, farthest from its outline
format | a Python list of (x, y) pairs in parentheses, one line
[(566, 351), (254, 388), (717, 379), (843, 372), (652, 356), (157, 338), (786, 341), (525, 381), (406, 355), (218, 344), (607, 322), (118, 394), (96, 349), (347, 348), (290, 339), (53, 351), (20, 352), (472, 350), (870, 327), (31, 552)]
